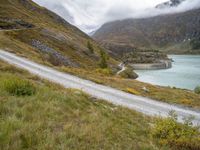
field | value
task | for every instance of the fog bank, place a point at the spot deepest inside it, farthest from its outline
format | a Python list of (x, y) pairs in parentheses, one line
[(88, 15)]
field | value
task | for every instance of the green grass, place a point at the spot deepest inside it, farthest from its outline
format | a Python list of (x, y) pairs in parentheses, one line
[(58, 118), (18, 87)]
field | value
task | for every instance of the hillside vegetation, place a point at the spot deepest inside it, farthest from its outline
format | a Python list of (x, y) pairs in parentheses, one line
[(37, 114), (56, 118), (52, 41)]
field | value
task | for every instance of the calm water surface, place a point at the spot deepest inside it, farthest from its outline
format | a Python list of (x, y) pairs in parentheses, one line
[(185, 73)]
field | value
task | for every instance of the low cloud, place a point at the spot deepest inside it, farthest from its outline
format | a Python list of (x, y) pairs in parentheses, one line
[(88, 15)]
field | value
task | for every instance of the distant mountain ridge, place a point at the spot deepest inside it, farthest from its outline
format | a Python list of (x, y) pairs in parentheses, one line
[(171, 33)]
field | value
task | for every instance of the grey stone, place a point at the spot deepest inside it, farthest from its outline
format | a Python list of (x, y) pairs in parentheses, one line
[(53, 53)]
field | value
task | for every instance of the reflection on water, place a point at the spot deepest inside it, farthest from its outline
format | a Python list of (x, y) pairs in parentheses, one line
[(185, 73)]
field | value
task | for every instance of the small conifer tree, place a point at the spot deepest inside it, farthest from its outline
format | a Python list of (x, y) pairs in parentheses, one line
[(103, 61), (90, 47)]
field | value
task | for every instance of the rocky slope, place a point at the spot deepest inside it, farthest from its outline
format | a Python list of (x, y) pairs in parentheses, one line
[(35, 32), (172, 33)]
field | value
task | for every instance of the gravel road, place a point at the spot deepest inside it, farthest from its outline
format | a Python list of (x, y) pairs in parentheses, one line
[(141, 104)]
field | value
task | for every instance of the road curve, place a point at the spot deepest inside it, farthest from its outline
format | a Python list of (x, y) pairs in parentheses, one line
[(140, 104)]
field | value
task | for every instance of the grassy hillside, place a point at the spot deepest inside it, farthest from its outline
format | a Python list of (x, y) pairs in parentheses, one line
[(36, 114), (171, 33), (58, 118), (49, 38)]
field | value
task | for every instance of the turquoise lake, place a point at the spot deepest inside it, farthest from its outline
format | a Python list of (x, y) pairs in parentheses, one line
[(185, 73)]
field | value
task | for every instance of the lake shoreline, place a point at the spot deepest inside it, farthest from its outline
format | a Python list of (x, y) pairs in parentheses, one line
[(184, 74)]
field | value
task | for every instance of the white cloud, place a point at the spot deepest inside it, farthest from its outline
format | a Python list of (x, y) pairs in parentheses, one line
[(88, 15)]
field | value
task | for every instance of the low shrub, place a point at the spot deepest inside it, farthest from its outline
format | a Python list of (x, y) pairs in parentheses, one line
[(132, 91), (195, 43), (96, 81), (106, 71), (197, 90), (90, 47), (186, 101), (18, 87), (176, 135)]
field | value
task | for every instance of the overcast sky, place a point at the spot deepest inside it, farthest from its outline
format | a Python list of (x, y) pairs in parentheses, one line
[(88, 15)]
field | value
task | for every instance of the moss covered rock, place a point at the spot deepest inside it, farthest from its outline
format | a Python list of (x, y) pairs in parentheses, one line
[(128, 73)]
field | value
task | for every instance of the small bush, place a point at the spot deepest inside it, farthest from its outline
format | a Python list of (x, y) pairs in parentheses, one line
[(186, 101), (11, 69), (90, 47), (132, 91), (175, 135), (19, 87), (197, 90), (195, 43)]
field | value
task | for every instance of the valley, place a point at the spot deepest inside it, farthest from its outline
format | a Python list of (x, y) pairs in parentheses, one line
[(63, 89)]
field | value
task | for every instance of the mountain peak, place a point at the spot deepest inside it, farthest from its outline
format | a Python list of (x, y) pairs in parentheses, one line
[(169, 4)]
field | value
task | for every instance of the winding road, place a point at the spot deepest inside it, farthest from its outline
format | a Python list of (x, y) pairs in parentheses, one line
[(141, 104)]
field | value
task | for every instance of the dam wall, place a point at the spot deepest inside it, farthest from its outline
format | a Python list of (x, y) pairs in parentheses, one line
[(163, 64)]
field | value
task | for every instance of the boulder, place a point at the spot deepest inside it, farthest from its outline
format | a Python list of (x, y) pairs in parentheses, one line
[(128, 73)]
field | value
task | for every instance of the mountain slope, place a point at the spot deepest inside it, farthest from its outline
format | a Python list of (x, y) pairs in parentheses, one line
[(49, 38), (36, 114), (172, 32)]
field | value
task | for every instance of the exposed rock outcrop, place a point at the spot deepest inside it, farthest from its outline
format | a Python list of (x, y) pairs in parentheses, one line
[(147, 60), (144, 56), (10, 23), (56, 57)]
